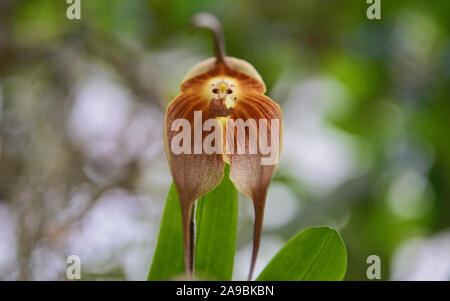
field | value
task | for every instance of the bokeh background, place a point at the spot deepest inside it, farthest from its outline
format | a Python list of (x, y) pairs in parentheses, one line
[(366, 117)]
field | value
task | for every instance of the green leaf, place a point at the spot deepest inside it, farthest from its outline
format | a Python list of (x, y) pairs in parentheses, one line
[(168, 260), (314, 254), (216, 219)]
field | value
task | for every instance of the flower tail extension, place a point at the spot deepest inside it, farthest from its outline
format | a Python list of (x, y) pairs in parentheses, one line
[(187, 214), (257, 231)]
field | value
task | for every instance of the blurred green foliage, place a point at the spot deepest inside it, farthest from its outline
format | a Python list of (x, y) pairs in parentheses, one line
[(394, 72)]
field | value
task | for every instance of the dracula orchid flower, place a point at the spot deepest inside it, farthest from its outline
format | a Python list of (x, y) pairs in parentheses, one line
[(223, 107)]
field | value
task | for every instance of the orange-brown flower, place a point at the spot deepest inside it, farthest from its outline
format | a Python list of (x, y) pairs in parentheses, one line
[(222, 89)]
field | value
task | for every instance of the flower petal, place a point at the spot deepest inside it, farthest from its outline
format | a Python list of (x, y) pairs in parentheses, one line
[(248, 171), (194, 174)]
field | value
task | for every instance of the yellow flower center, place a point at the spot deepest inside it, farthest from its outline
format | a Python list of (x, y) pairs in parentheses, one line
[(223, 97)]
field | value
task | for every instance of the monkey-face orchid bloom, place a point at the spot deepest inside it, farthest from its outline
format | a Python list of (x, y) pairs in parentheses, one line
[(215, 94)]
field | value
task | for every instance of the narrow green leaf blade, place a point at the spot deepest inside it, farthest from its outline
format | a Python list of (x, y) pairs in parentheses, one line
[(315, 254), (216, 219), (168, 260)]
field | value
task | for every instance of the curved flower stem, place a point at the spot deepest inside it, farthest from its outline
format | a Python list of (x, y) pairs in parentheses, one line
[(210, 22)]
